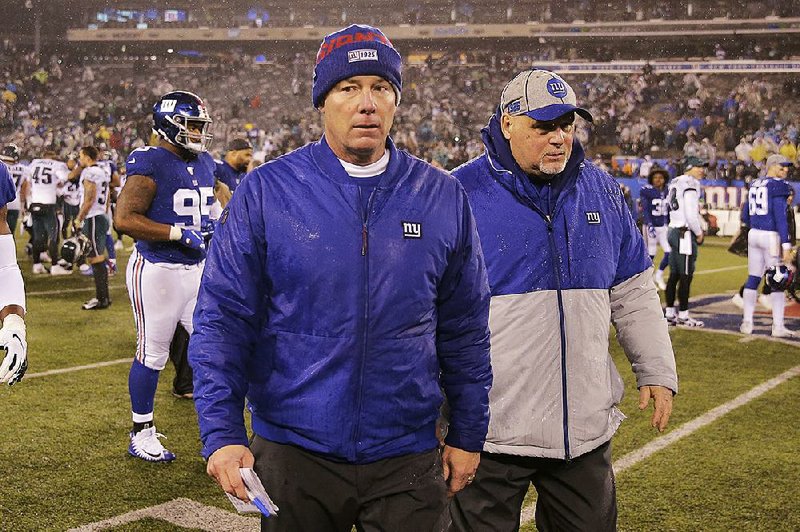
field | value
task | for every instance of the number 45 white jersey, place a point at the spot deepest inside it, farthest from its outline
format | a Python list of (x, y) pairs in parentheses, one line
[(46, 177), (184, 195)]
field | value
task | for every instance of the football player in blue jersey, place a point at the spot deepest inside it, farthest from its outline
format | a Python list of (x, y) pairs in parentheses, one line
[(655, 218), (233, 167), (164, 206), (768, 243), (11, 155), (13, 349)]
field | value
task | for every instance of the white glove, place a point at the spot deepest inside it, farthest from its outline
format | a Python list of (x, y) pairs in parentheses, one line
[(13, 350)]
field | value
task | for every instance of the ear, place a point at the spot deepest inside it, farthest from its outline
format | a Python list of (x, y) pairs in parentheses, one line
[(506, 125)]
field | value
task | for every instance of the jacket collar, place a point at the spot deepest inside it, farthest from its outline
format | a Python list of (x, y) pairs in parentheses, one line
[(329, 164)]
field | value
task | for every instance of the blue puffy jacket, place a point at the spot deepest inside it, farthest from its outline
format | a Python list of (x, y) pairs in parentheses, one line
[(342, 328)]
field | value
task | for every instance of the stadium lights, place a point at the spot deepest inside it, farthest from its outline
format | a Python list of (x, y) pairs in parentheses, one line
[(170, 50)]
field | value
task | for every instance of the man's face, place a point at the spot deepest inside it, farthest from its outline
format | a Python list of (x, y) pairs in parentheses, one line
[(241, 159), (779, 171), (658, 180), (84, 159), (540, 148), (358, 113)]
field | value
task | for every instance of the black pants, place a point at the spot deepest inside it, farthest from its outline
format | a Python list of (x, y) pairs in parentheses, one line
[(575, 495), (315, 494), (178, 353), (45, 231)]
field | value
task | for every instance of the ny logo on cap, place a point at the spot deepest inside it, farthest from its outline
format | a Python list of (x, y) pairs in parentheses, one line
[(557, 88)]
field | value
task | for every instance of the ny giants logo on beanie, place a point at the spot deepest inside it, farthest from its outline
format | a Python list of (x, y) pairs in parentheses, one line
[(337, 40), (356, 50)]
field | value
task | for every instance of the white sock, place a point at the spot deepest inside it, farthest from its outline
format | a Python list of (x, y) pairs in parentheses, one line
[(670, 312), (749, 295), (683, 314), (778, 304)]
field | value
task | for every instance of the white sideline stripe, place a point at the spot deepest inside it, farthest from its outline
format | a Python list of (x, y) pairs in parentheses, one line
[(717, 270), (70, 290), (182, 512), (634, 457), (77, 368)]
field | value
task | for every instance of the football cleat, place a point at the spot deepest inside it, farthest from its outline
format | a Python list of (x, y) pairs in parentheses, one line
[(737, 301), (783, 332), (689, 322), (39, 269), (746, 327), (96, 304), (145, 444), (57, 269), (86, 270)]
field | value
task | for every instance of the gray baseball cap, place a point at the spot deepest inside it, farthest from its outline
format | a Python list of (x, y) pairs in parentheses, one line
[(778, 159), (541, 95)]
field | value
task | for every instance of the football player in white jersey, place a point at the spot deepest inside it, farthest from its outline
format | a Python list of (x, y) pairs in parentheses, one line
[(95, 182), (13, 349), (44, 178), (684, 235), (11, 155)]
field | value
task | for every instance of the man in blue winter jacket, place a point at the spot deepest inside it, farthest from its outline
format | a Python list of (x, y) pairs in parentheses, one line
[(564, 258), (345, 290)]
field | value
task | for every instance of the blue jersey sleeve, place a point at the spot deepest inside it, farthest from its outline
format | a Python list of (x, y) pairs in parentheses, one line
[(7, 189), (140, 162), (646, 205)]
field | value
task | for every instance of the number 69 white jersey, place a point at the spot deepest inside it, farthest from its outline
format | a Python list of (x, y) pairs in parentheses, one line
[(184, 195)]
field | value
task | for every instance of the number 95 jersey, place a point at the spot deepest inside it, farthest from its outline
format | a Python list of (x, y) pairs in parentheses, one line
[(184, 195)]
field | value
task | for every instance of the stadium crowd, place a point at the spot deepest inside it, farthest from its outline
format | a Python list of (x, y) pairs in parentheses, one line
[(735, 122), (283, 13)]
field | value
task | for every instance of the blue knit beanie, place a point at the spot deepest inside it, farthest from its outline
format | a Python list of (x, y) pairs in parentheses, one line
[(356, 50)]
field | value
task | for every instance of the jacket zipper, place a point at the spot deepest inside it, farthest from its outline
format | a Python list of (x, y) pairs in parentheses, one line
[(562, 326), (365, 324)]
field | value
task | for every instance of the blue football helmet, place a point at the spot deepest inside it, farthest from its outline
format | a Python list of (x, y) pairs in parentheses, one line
[(779, 278), (181, 118)]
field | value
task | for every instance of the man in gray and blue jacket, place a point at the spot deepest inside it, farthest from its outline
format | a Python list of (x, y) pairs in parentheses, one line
[(564, 259)]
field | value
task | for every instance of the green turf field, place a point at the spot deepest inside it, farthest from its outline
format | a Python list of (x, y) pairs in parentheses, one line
[(63, 437)]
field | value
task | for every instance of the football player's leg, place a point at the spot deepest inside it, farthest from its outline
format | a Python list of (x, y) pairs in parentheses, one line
[(183, 385), (755, 269), (52, 234), (153, 291), (777, 298), (94, 228), (661, 232)]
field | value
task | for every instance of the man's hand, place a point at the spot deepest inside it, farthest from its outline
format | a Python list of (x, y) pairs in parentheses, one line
[(223, 466), (662, 402), (13, 350), (699, 238), (651, 231), (788, 259), (191, 238), (459, 468)]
